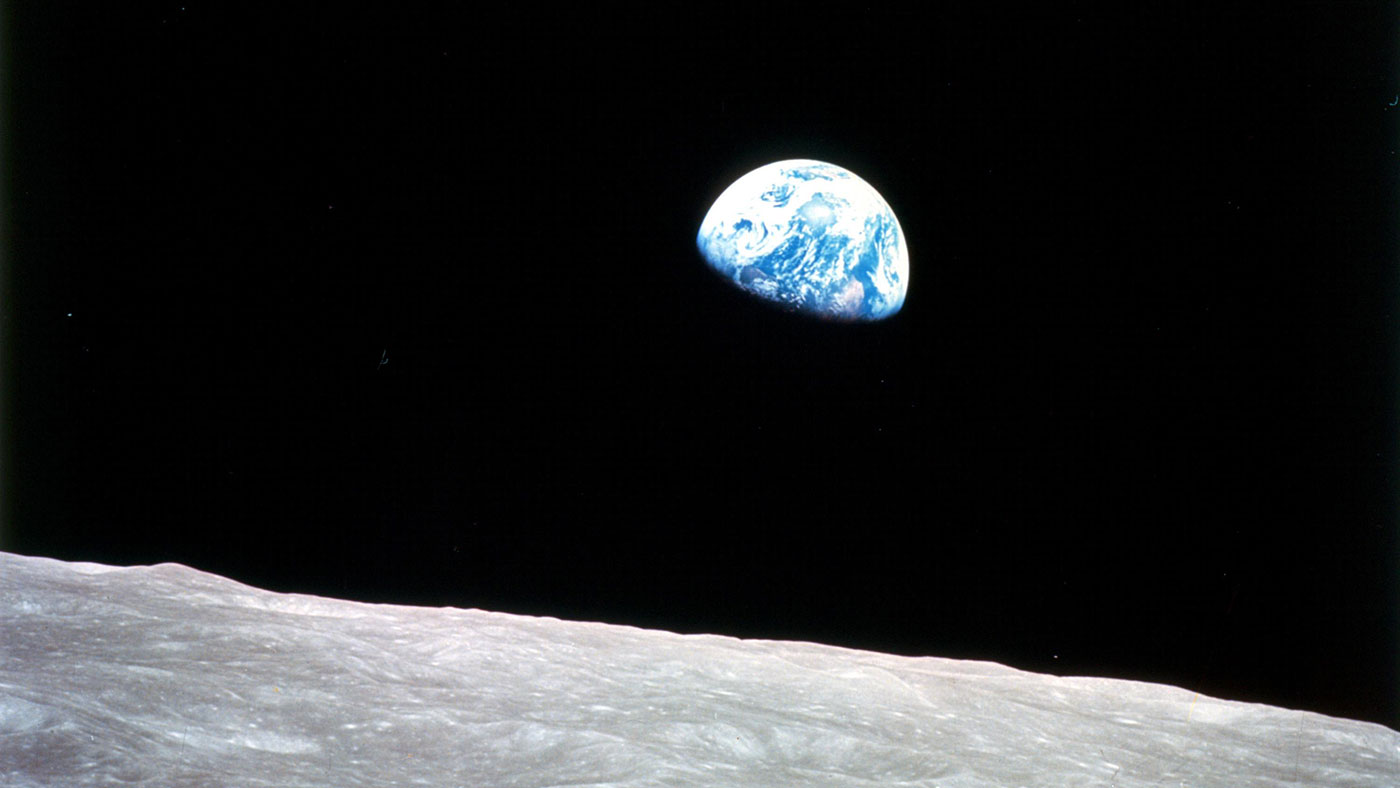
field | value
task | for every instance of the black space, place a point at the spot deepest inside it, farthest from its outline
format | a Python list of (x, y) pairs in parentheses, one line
[(1136, 418)]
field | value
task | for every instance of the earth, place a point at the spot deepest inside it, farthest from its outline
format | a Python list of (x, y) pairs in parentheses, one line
[(811, 237)]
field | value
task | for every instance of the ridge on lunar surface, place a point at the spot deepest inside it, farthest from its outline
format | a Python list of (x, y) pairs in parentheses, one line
[(167, 676)]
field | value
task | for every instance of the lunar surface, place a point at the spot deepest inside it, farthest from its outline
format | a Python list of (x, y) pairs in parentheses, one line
[(167, 676)]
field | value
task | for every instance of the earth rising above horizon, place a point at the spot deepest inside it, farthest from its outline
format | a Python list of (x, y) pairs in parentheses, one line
[(811, 237)]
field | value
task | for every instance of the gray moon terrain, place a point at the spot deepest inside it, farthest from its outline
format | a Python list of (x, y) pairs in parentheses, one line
[(167, 676)]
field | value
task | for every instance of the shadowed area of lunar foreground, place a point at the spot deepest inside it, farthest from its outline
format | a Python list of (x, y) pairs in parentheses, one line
[(166, 676)]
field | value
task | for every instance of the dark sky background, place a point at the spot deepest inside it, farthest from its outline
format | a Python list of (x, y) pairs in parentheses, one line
[(1136, 418)]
